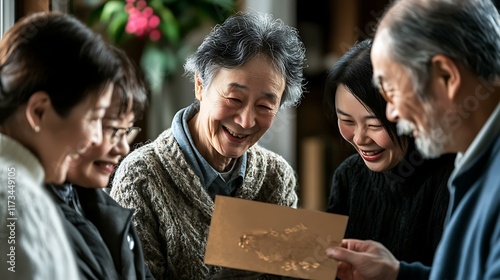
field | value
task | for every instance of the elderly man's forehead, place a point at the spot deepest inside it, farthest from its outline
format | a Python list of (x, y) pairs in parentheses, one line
[(381, 44)]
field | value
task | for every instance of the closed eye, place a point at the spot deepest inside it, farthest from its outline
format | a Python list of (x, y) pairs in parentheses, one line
[(372, 126), (346, 122), (266, 107)]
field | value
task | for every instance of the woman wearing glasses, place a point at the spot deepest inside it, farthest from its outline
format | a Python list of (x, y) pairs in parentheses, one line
[(53, 96), (389, 192), (101, 231)]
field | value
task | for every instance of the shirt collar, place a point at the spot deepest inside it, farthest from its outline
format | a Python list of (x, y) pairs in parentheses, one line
[(201, 167), (488, 133)]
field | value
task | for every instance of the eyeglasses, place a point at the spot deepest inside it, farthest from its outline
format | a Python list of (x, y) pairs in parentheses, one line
[(115, 134), (387, 97)]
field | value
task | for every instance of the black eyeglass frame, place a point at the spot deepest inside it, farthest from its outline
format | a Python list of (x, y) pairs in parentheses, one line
[(118, 132), (381, 90)]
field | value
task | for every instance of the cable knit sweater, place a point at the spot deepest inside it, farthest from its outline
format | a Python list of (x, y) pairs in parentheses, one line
[(403, 208), (33, 243), (173, 211)]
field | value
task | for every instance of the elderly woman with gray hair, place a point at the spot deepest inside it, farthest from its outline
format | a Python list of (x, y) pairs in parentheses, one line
[(245, 70)]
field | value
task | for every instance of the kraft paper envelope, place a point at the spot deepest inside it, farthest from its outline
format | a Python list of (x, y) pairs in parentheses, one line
[(273, 239)]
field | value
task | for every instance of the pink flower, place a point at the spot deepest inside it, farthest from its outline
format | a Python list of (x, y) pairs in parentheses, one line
[(154, 21), (155, 35), (141, 20), (141, 4), (147, 12)]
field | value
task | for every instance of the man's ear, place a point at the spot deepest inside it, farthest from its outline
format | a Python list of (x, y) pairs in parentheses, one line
[(198, 87), (36, 109), (447, 74)]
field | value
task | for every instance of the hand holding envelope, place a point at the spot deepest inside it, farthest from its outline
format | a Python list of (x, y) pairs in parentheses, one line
[(273, 239)]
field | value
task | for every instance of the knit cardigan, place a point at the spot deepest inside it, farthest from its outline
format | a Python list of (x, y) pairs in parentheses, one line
[(33, 243), (404, 208), (173, 210)]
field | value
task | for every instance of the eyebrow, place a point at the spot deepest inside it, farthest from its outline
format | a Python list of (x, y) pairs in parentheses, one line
[(269, 95)]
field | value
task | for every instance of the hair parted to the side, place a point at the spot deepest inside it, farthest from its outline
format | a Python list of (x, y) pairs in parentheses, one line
[(354, 70), (245, 35), (55, 53), (466, 31)]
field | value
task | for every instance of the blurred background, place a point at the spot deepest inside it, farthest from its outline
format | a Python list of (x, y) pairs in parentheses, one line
[(159, 34)]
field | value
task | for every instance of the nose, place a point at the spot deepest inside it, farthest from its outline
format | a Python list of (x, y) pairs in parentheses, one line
[(97, 135), (360, 136), (391, 112), (121, 147), (95, 138), (246, 117)]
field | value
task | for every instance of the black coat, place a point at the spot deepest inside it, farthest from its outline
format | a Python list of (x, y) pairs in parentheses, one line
[(103, 237)]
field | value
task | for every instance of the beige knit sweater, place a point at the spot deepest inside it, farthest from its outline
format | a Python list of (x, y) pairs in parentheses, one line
[(173, 211)]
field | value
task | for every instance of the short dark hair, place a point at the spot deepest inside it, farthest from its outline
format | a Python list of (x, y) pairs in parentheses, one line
[(55, 53), (354, 70), (129, 90)]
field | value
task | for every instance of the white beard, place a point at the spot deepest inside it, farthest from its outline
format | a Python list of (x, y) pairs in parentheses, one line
[(430, 144)]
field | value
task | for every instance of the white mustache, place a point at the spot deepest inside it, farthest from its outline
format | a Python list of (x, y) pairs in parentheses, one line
[(405, 127)]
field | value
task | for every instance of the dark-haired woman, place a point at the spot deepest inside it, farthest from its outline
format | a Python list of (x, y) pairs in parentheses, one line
[(390, 193)]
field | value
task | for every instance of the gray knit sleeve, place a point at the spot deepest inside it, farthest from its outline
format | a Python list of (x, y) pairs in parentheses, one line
[(132, 188)]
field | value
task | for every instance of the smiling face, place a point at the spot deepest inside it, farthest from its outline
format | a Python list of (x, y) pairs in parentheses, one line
[(236, 109), (94, 168), (414, 117), (65, 138), (365, 133)]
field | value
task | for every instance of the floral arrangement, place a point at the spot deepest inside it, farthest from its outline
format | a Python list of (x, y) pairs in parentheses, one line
[(142, 21), (161, 26)]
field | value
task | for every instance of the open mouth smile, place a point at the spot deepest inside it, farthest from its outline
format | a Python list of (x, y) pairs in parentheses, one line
[(371, 153), (234, 134)]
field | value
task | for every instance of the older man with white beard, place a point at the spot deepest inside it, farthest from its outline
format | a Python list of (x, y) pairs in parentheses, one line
[(437, 63)]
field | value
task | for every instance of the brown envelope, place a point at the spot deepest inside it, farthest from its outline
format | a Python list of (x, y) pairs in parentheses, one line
[(273, 239)]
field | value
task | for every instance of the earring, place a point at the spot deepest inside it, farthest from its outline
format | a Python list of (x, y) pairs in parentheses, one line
[(36, 128)]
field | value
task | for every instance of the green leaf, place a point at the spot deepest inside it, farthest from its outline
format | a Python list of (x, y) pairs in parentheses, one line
[(170, 30), (110, 8), (168, 2), (224, 4), (95, 16), (169, 26), (157, 65), (116, 27)]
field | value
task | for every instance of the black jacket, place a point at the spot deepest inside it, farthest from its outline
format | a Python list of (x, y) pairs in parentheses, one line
[(101, 232)]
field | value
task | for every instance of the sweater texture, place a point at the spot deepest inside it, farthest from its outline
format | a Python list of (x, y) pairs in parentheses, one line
[(173, 210), (404, 208), (33, 243)]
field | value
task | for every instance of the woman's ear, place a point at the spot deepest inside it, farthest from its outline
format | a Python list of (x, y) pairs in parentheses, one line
[(36, 109), (446, 72), (198, 87)]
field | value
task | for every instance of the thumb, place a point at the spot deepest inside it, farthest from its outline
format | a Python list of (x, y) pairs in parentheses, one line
[(342, 254)]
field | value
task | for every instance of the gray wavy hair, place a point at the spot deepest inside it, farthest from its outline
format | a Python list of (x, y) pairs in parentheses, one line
[(467, 31), (243, 36)]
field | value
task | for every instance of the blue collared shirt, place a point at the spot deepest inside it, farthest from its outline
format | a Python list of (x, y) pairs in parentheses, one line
[(212, 181)]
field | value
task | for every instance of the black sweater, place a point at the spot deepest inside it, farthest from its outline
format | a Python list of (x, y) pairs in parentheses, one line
[(404, 208)]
